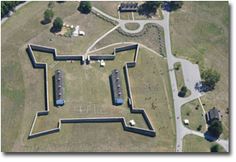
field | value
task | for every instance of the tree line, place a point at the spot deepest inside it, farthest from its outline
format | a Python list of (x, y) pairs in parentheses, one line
[(7, 6)]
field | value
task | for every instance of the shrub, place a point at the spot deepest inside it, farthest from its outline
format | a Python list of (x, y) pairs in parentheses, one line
[(215, 148), (48, 15), (85, 7), (210, 78), (57, 24), (215, 129)]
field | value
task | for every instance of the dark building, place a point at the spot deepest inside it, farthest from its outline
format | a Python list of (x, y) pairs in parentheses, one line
[(128, 7), (212, 114), (59, 88), (116, 88)]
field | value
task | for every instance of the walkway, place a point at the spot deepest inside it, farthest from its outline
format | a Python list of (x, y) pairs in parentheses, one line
[(191, 75)]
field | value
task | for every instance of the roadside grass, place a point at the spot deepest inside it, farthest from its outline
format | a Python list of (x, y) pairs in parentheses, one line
[(193, 112), (75, 45), (192, 143), (147, 39), (200, 33), (126, 16), (180, 78), (151, 91), (132, 26)]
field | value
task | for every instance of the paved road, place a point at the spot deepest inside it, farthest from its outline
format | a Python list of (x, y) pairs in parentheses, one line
[(191, 75)]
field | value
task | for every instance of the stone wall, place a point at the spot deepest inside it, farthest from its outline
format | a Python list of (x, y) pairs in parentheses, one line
[(148, 132)]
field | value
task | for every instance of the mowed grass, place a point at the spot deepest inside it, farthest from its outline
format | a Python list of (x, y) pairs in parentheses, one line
[(149, 39), (75, 45), (180, 78), (192, 143), (22, 86), (193, 112), (87, 91), (109, 7), (132, 26), (86, 100), (151, 90), (20, 101), (200, 33)]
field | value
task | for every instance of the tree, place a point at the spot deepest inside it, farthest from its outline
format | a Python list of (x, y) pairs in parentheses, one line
[(172, 5), (215, 148), (7, 6), (48, 15), (85, 7), (51, 4), (199, 128), (149, 8), (210, 78), (215, 129), (183, 91), (57, 24)]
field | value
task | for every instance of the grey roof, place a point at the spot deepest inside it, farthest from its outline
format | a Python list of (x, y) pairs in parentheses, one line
[(59, 84), (116, 85), (129, 6), (214, 114)]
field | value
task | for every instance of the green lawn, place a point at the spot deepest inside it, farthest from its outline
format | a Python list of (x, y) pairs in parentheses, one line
[(192, 143), (110, 7), (149, 39), (83, 87), (193, 112), (180, 78), (75, 45), (20, 101), (200, 33), (132, 26)]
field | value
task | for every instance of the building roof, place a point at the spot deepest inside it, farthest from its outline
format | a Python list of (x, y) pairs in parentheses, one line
[(214, 114), (129, 6), (132, 122), (116, 87), (59, 85)]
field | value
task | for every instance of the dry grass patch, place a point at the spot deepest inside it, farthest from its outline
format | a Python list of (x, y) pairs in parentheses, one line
[(200, 33), (192, 143)]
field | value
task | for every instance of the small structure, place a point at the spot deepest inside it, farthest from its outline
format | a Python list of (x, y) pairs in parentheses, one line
[(186, 122), (132, 122), (59, 88), (102, 63), (76, 32), (212, 114), (82, 33), (116, 88), (128, 7)]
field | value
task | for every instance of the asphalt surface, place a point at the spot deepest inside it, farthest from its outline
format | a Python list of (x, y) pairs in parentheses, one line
[(191, 75)]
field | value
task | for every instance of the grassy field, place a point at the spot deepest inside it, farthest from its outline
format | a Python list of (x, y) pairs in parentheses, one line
[(200, 33), (20, 101), (132, 26), (192, 143), (147, 39), (87, 91), (110, 7), (75, 45), (193, 112), (180, 78)]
